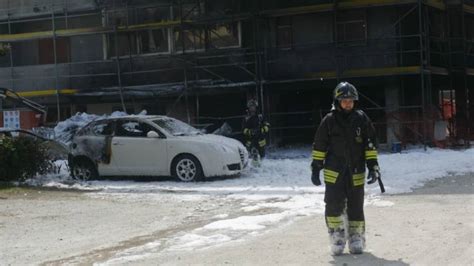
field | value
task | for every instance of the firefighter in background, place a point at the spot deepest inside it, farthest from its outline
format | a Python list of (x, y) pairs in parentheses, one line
[(343, 146), (255, 130)]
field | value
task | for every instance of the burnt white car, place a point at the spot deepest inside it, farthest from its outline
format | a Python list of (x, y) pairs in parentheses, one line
[(152, 146)]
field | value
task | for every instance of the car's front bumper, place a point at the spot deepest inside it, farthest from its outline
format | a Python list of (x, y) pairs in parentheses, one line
[(228, 165)]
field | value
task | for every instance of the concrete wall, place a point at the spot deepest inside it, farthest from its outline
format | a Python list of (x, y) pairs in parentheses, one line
[(33, 77), (25, 53), (314, 50), (86, 48), (313, 28), (100, 109), (42, 77), (375, 53), (392, 95), (178, 111), (5, 60)]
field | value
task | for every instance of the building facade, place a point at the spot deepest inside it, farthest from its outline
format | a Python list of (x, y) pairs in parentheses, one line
[(201, 60)]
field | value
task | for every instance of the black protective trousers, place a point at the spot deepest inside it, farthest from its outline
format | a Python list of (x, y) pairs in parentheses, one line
[(254, 144), (343, 195)]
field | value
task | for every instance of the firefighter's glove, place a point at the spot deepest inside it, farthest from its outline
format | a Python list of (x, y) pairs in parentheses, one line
[(374, 175), (316, 167), (247, 132)]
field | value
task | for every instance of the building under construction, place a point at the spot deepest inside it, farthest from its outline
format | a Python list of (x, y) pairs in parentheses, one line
[(201, 60)]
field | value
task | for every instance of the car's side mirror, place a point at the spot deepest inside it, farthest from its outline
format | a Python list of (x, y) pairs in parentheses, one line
[(152, 134)]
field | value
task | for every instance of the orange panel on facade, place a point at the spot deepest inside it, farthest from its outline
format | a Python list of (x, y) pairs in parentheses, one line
[(28, 119)]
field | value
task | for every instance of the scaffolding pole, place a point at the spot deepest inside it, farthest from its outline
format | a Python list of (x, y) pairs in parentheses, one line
[(259, 65), (197, 109), (56, 80), (336, 50), (468, 105), (186, 95), (119, 75), (12, 75), (256, 58), (422, 68)]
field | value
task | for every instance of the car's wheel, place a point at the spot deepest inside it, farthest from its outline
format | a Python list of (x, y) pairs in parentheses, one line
[(187, 168), (84, 170)]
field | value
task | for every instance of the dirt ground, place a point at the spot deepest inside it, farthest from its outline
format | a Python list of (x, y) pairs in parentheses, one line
[(432, 226)]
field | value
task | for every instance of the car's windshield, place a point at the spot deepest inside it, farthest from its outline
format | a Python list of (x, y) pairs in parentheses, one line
[(176, 127)]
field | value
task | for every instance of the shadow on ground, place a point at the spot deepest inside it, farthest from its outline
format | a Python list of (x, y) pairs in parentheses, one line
[(366, 259)]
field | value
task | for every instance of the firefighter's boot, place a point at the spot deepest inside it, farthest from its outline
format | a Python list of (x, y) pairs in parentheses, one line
[(356, 244), (356, 237), (337, 239)]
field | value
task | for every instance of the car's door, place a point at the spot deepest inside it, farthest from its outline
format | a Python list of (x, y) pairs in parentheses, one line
[(136, 154), (94, 142)]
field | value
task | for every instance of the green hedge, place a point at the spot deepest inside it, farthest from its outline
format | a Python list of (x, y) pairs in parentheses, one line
[(22, 158)]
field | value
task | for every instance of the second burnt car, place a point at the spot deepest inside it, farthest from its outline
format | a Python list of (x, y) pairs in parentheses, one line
[(152, 146), (54, 149)]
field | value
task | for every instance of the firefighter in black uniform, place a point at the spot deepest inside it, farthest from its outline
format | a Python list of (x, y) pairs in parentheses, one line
[(255, 129), (343, 145)]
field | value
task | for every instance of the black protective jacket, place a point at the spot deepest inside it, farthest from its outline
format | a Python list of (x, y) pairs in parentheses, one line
[(255, 129), (345, 142)]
